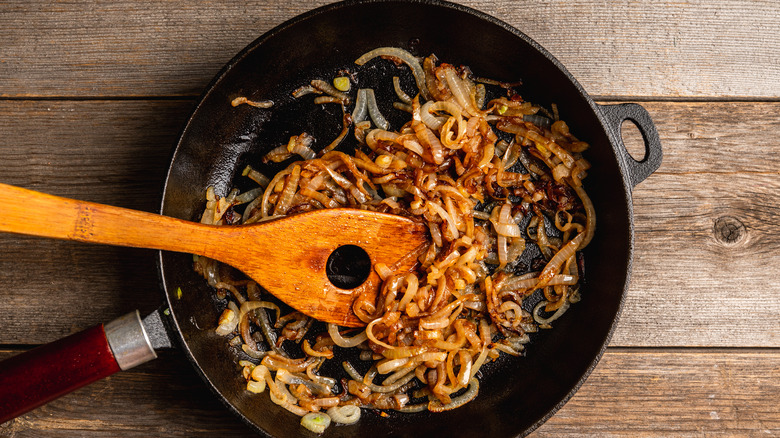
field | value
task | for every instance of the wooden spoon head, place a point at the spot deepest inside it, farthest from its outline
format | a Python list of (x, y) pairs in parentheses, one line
[(289, 256)]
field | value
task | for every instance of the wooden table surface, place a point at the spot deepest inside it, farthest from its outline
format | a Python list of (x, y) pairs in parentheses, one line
[(94, 94)]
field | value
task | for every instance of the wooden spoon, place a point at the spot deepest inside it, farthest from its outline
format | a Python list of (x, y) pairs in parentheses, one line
[(287, 256)]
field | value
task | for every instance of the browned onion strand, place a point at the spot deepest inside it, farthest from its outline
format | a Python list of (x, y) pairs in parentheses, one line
[(500, 189)]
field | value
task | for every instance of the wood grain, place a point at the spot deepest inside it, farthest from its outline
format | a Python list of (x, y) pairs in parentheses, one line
[(50, 289), (690, 286), (653, 392), (687, 49), (721, 289), (114, 152), (681, 393)]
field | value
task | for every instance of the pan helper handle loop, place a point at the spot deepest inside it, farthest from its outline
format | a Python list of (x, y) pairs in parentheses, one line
[(129, 341), (615, 115)]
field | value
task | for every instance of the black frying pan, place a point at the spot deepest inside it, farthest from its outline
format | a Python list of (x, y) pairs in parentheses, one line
[(517, 394)]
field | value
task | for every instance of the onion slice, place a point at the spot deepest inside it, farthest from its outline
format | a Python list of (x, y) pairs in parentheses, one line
[(406, 57), (361, 109), (348, 414), (373, 110), (469, 395), (341, 341)]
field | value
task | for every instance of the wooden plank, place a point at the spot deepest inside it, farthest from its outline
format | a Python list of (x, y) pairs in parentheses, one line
[(670, 49), (706, 249), (679, 393), (704, 231), (52, 288), (690, 287), (685, 49), (42, 140), (705, 271), (632, 391), (101, 151), (166, 48), (721, 138)]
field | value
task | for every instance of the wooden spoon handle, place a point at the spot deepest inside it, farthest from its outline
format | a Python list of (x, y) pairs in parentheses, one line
[(288, 257), (33, 213)]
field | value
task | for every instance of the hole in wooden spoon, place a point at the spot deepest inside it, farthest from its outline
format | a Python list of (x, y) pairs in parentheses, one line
[(348, 267)]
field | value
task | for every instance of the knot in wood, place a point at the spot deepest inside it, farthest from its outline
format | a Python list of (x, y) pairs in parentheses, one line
[(729, 230)]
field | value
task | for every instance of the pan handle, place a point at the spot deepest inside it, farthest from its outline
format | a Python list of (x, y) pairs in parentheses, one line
[(615, 115), (38, 376)]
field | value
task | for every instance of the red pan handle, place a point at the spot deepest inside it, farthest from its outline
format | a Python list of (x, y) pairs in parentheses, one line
[(38, 376)]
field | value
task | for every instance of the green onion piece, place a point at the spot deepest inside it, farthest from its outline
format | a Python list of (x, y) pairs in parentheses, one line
[(316, 422), (178, 293)]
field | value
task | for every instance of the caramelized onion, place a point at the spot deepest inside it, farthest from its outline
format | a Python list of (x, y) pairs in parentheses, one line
[(431, 327), (456, 402), (341, 341)]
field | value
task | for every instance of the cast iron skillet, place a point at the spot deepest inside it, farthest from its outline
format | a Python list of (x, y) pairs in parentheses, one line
[(516, 395)]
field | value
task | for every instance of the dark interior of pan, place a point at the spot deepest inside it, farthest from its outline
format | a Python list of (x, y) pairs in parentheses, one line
[(516, 394)]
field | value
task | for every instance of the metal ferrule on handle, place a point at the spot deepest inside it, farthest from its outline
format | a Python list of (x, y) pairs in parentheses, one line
[(129, 341)]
